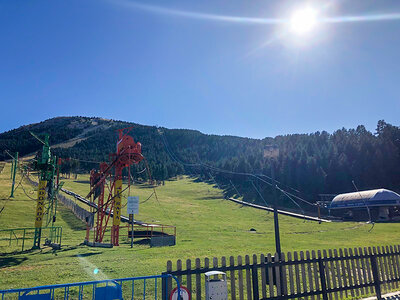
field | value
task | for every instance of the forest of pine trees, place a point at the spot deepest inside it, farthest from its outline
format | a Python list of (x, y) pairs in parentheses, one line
[(307, 165)]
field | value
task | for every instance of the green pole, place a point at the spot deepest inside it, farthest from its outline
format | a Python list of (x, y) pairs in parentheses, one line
[(14, 172), (23, 241), (12, 167)]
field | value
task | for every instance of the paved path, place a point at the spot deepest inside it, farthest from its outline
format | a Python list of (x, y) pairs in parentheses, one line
[(390, 296)]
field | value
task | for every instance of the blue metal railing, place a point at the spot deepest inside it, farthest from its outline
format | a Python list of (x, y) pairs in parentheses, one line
[(123, 288)]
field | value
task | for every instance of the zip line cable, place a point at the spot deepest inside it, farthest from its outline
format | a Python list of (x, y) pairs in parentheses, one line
[(285, 193), (259, 194), (9, 198), (215, 181), (174, 157), (293, 189), (365, 203), (27, 193), (86, 161), (140, 172), (226, 171), (108, 201), (235, 188), (154, 189), (257, 176)]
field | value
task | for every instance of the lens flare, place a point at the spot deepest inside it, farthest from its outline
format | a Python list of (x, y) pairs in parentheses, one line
[(303, 21), (297, 17)]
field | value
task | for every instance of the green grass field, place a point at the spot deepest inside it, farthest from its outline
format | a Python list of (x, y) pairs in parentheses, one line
[(207, 226)]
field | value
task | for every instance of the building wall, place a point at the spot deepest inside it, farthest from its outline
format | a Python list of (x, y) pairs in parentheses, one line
[(361, 214)]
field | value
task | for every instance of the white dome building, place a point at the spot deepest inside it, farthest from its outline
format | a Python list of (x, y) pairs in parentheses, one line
[(383, 204)]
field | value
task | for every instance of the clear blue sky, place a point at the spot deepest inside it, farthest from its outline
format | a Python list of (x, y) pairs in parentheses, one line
[(177, 64)]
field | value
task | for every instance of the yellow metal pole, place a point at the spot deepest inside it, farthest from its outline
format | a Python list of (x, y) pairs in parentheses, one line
[(39, 212), (117, 211)]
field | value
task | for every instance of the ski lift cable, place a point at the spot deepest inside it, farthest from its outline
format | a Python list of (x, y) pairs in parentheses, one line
[(259, 193), (154, 189), (230, 172), (285, 193), (218, 169), (9, 198), (293, 189), (365, 203)]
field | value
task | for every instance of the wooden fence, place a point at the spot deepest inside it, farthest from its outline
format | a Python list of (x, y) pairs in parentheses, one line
[(328, 274), (2, 165), (81, 213)]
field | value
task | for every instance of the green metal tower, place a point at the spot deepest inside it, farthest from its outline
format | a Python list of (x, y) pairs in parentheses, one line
[(47, 166)]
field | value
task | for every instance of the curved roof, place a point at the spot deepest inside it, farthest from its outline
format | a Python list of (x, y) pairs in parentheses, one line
[(379, 197)]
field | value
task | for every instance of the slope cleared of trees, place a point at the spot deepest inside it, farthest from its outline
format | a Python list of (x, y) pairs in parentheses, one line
[(308, 164)]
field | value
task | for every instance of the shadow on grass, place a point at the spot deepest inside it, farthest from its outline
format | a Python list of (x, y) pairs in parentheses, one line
[(11, 261), (86, 254), (146, 186), (82, 181), (65, 249), (73, 222), (210, 198), (15, 252)]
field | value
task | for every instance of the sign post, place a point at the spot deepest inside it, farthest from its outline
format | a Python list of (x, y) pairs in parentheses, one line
[(132, 208), (131, 222), (180, 294)]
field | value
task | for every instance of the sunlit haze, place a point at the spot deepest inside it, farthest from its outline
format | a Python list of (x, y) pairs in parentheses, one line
[(303, 20)]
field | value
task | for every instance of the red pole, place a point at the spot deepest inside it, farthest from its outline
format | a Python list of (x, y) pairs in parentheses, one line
[(58, 170)]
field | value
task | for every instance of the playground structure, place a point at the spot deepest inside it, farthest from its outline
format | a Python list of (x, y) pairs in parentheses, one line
[(47, 189), (48, 170), (104, 200), (128, 153)]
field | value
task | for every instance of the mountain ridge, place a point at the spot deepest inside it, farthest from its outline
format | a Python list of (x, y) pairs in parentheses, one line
[(310, 163)]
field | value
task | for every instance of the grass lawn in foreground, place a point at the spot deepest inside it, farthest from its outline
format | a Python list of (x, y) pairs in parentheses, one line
[(207, 226)]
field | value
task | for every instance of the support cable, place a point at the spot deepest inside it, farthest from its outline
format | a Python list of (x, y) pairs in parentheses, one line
[(259, 193), (285, 193), (257, 176)]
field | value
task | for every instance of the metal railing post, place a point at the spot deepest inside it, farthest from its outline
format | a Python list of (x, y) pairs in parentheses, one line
[(23, 241), (164, 287)]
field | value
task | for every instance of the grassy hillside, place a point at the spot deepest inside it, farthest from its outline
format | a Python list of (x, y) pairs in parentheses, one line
[(306, 164), (207, 226)]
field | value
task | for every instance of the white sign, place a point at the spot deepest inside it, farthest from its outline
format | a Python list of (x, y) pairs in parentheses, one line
[(184, 294), (133, 205)]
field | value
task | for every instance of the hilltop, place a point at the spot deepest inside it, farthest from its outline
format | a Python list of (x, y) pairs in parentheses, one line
[(308, 164)]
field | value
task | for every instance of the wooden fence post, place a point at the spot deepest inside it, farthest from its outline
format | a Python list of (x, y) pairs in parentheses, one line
[(167, 282), (248, 276), (375, 274), (198, 280), (189, 275), (316, 276), (233, 279), (254, 277), (322, 277)]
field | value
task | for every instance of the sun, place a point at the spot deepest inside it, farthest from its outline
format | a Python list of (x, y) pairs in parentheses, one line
[(303, 21)]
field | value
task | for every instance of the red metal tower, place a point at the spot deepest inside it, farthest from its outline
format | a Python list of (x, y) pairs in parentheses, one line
[(128, 153)]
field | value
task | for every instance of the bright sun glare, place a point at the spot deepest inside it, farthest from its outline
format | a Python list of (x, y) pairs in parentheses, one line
[(303, 20)]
